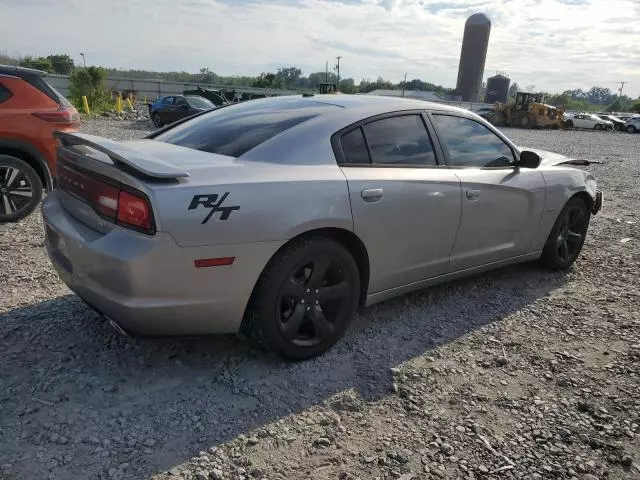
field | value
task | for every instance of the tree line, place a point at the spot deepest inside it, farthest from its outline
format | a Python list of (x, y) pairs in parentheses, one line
[(594, 99)]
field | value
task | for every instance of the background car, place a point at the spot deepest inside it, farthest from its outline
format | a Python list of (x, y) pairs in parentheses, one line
[(588, 120), (632, 125), (30, 111), (282, 216), (170, 109), (618, 124)]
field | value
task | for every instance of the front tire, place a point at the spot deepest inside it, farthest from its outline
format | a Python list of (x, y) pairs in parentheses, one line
[(305, 299), (20, 189), (631, 129), (597, 127), (569, 124), (567, 235)]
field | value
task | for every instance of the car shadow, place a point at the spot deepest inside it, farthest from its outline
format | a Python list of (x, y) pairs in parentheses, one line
[(154, 403)]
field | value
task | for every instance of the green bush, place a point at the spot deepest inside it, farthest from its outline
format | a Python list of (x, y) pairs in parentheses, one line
[(89, 82)]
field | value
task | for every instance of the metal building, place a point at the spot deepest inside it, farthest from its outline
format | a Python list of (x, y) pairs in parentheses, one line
[(497, 89), (472, 56)]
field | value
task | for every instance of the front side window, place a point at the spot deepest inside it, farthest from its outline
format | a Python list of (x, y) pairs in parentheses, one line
[(400, 140), (167, 100), (471, 144)]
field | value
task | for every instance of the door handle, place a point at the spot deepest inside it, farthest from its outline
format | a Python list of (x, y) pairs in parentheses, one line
[(371, 194), (473, 194)]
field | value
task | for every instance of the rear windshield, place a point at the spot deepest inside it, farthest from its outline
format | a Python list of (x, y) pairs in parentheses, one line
[(41, 84), (236, 129)]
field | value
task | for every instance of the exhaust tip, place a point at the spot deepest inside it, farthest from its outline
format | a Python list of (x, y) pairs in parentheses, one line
[(116, 327)]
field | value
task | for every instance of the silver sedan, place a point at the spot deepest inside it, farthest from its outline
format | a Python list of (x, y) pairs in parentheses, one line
[(281, 217)]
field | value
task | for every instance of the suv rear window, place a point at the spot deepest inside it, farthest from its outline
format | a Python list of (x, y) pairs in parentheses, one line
[(41, 84), (236, 129), (5, 93)]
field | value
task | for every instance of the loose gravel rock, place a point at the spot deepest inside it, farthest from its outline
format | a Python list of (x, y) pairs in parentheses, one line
[(520, 373)]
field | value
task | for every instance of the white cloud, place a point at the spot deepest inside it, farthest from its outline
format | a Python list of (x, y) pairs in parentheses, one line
[(554, 44)]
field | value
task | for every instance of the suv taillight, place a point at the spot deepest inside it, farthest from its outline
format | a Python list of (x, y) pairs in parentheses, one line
[(113, 201), (62, 115)]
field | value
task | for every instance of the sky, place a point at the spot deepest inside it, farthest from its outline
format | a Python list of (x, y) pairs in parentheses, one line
[(554, 45)]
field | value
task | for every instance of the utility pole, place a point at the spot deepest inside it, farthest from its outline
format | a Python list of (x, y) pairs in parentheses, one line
[(84, 61), (404, 83), (338, 69), (326, 72), (622, 84)]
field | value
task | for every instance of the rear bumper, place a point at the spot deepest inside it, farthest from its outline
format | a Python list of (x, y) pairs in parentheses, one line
[(149, 284)]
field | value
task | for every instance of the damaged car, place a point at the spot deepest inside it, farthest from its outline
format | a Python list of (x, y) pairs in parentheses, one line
[(282, 217)]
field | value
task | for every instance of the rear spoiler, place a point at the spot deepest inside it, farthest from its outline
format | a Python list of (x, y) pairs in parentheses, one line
[(119, 153)]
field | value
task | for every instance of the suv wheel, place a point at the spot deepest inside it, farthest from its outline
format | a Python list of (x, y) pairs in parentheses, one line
[(631, 129), (20, 189)]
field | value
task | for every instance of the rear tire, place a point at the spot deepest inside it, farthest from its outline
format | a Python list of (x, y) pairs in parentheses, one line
[(305, 299), (20, 189), (567, 235), (597, 127), (155, 118)]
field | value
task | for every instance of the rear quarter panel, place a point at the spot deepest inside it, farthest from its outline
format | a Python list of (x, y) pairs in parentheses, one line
[(263, 202)]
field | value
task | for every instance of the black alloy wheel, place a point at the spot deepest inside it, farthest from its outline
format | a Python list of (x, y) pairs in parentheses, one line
[(305, 298), (155, 118), (568, 235), (315, 298), (20, 189)]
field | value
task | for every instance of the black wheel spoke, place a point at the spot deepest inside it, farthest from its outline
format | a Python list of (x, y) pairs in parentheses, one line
[(573, 237), (575, 219), (339, 290), (322, 326), (319, 270), (291, 327), (564, 250), (293, 290)]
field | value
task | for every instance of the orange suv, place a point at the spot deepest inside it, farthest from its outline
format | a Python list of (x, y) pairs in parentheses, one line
[(30, 111)]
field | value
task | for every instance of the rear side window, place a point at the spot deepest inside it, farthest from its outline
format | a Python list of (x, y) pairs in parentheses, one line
[(5, 93), (354, 147), (400, 141), (236, 129)]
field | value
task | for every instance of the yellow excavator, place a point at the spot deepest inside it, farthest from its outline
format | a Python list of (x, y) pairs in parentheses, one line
[(528, 111)]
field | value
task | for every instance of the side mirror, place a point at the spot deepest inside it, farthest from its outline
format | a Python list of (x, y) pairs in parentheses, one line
[(529, 159)]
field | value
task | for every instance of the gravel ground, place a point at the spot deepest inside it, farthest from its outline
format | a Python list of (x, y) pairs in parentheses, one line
[(519, 373)]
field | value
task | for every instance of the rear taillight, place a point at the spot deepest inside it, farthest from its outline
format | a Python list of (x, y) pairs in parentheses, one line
[(62, 115), (110, 199), (134, 210)]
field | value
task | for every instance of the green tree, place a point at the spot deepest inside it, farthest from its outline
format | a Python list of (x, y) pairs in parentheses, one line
[(39, 63), (636, 106), (513, 89), (61, 64), (288, 77), (89, 82), (347, 85)]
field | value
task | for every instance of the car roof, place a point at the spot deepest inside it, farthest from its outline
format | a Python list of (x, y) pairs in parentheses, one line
[(16, 71), (380, 103)]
